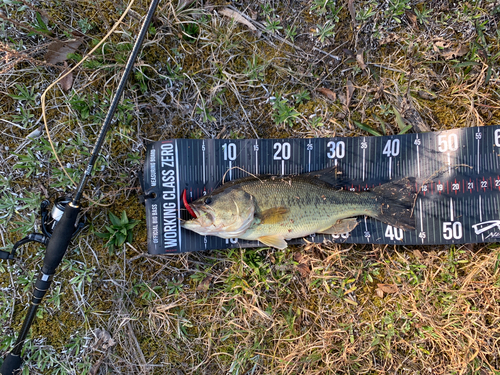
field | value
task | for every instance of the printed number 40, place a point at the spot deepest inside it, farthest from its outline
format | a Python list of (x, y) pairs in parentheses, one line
[(391, 148), (452, 231), (394, 233)]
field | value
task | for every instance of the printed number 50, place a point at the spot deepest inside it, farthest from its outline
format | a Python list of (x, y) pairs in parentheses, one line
[(447, 142), (452, 231)]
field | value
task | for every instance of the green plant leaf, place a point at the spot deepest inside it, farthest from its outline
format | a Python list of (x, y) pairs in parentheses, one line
[(406, 129), (114, 219), (366, 128), (120, 239), (399, 119), (124, 218)]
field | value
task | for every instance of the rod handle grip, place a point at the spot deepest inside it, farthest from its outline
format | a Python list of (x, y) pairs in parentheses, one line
[(61, 237), (11, 364)]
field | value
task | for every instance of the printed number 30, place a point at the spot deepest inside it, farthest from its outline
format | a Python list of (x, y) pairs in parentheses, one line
[(336, 149)]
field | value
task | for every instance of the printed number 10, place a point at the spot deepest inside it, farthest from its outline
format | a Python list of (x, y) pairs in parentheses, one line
[(229, 151)]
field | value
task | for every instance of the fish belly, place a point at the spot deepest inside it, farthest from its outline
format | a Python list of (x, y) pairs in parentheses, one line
[(309, 208)]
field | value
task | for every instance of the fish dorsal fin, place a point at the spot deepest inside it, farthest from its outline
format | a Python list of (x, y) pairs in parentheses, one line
[(341, 226), (331, 176), (273, 215), (274, 241)]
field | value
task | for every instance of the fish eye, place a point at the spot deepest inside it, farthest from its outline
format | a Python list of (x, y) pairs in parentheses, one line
[(208, 200)]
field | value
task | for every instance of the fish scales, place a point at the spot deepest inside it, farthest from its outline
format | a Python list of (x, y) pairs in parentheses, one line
[(311, 207), (273, 209)]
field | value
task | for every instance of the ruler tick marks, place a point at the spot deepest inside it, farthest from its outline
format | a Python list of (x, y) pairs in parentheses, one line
[(390, 167), (203, 158), (452, 216), (256, 149), (481, 215), (309, 148), (453, 204), (421, 212), (478, 137), (417, 143), (364, 145)]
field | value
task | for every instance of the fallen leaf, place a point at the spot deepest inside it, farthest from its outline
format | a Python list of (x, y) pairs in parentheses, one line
[(204, 285), (348, 52), (328, 93), (352, 11), (34, 134), (349, 92), (359, 59), (418, 254), (253, 14), (412, 17), (103, 342), (448, 50), (58, 50), (412, 116), (389, 38), (67, 81), (388, 288), (297, 257), (427, 95), (303, 270), (239, 18), (459, 51)]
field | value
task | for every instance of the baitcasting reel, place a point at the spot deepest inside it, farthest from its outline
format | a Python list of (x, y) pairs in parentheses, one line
[(49, 222)]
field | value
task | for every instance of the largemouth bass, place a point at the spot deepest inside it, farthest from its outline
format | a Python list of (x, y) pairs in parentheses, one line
[(273, 209)]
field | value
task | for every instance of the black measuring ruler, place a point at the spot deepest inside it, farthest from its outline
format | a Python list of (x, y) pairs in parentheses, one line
[(457, 174)]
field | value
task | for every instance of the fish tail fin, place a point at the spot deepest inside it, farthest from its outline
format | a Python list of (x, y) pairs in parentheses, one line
[(395, 203)]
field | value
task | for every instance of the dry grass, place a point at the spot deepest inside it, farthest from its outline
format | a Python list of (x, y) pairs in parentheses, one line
[(316, 309)]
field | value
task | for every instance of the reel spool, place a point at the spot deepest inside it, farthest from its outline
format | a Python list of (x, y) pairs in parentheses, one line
[(49, 222)]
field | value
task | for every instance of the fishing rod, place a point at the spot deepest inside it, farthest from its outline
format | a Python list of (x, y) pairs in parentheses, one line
[(63, 222)]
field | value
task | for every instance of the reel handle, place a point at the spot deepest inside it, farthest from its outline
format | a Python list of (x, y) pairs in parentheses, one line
[(56, 248), (11, 364), (61, 237)]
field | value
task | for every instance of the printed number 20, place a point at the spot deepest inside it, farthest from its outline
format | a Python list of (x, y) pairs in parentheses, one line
[(452, 231), (283, 151)]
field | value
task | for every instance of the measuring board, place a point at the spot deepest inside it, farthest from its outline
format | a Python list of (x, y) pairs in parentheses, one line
[(457, 174)]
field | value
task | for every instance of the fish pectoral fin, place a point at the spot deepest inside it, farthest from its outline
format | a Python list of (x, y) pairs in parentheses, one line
[(341, 226), (273, 215), (274, 241)]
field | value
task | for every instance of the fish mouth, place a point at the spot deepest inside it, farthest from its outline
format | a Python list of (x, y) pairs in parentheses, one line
[(201, 216), (188, 207)]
